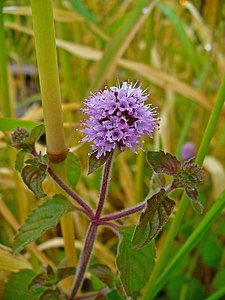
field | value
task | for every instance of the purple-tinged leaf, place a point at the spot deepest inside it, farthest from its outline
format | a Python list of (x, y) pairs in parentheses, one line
[(51, 277), (52, 294), (95, 163), (158, 209), (41, 219), (73, 169), (33, 175), (104, 273), (134, 265), (38, 281), (192, 193), (62, 273), (162, 162)]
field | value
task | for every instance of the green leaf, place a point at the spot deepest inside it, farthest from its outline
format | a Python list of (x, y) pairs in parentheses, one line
[(41, 219), (73, 169), (104, 273), (162, 162), (33, 175), (218, 281), (134, 265), (16, 287), (36, 133), (9, 124), (114, 295), (95, 163), (198, 207), (158, 209), (20, 160)]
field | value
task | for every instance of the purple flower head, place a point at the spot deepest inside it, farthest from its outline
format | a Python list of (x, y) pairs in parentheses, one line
[(118, 117)]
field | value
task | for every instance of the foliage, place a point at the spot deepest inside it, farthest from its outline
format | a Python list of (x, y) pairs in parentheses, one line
[(176, 51)]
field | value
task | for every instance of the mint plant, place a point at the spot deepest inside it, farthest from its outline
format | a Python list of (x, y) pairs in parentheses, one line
[(117, 119)]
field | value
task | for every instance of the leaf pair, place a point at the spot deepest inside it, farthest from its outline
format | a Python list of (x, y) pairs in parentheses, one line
[(34, 172), (186, 174), (159, 207)]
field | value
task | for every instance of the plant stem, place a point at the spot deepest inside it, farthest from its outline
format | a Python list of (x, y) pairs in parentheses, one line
[(163, 258), (123, 213), (92, 231), (45, 44), (71, 193), (104, 186), (84, 259), (4, 87), (94, 295), (44, 34)]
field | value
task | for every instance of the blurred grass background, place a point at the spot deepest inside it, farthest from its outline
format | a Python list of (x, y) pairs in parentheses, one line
[(176, 49)]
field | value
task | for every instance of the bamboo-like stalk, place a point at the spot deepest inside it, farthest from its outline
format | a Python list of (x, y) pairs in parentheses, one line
[(44, 34), (4, 87)]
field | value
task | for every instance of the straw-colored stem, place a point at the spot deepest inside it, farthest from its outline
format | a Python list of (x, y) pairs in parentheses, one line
[(44, 34)]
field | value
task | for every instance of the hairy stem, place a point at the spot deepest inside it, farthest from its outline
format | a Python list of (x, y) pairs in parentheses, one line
[(105, 181), (84, 259), (90, 238), (71, 193)]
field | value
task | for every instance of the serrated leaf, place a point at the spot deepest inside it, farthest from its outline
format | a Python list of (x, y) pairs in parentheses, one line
[(134, 265), (20, 160), (36, 133), (33, 175), (73, 169), (41, 219), (95, 163), (162, 162), (158, 209), (104, 273), (16, 287)]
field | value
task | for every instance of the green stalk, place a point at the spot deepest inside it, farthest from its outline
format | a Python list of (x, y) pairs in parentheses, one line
[(165, 254), (44, 34), (4, 87)]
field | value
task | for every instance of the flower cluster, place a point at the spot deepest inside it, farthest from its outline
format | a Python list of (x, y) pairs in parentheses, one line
[(118, 117)]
